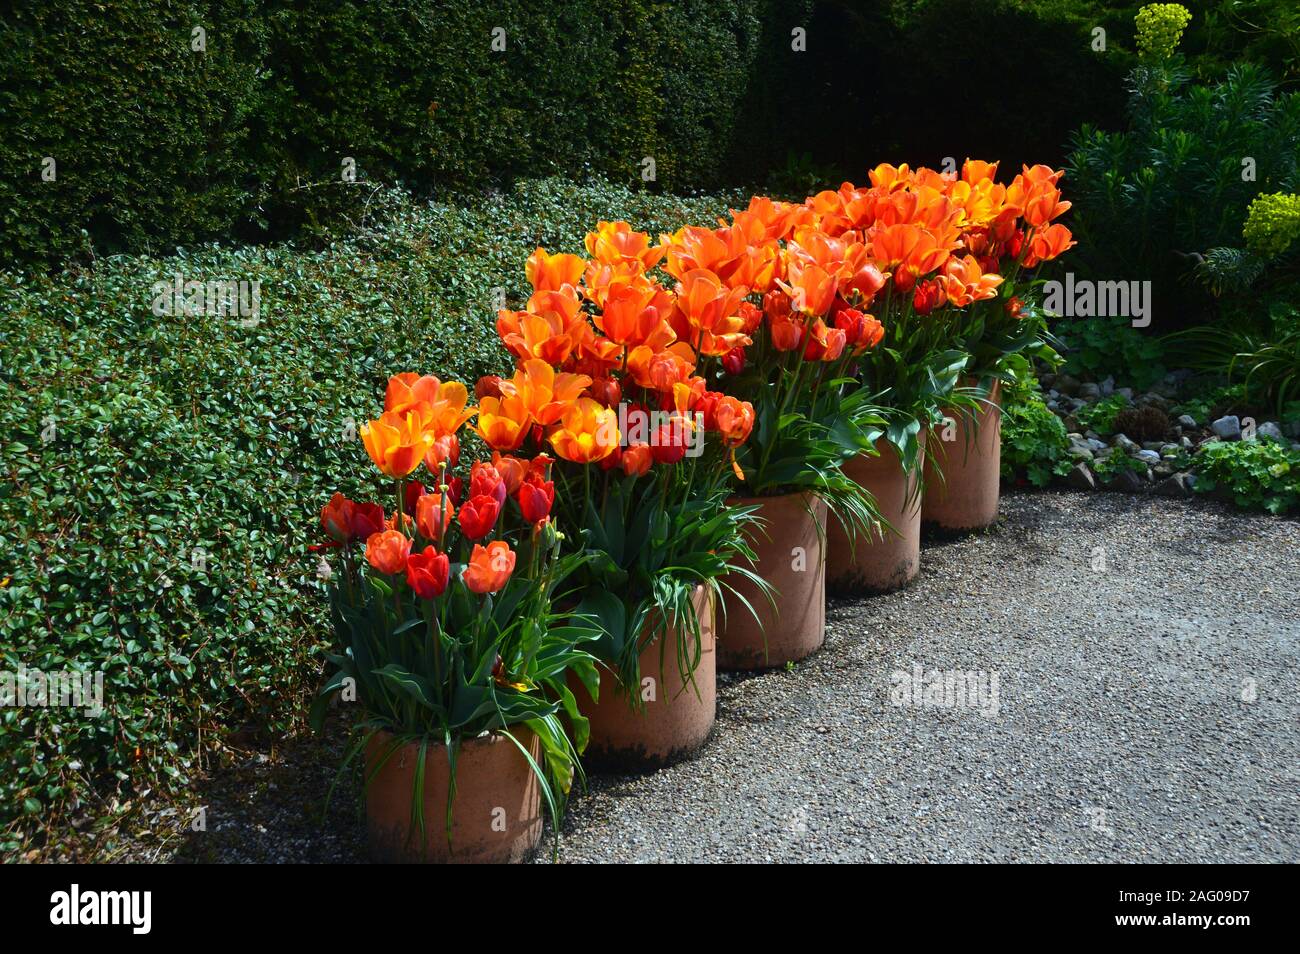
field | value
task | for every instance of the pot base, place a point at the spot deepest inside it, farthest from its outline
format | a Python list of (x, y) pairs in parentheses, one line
[(676, 714), (790, 559)]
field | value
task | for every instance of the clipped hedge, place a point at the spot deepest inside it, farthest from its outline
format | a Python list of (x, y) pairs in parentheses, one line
[(159, 145), (170, 434)]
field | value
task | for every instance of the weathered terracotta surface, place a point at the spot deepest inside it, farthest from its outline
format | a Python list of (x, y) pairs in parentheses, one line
[(966, 497), (677, 714), (791, 560), (496, 816), (879, 561)]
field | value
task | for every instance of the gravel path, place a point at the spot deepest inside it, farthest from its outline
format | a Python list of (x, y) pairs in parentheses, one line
[(1147, 652)]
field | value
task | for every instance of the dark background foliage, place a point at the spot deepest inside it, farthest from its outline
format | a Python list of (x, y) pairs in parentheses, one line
[(159, 146)]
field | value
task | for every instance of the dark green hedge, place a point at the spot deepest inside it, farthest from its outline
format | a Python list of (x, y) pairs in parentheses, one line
[(158, 146)]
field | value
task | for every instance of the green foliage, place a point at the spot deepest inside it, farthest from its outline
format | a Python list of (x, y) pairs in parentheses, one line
[(1264, 358), (1257, 474), (167, 435), (1108, 469), (1034, 441), (1100, 417), (158, 144), (1151, 201), (1272, 224), (1209, 404), (1098, 347)]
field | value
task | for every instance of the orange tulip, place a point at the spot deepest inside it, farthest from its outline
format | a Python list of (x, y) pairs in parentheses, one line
[(433, 515), (636, 459), (734, 420), (397, 441), (503, 422), (511, 469), (615, 242), (964, 282), (489, 567), (387, 551), (812, 289), (587, 432), (1046, 244), (548, 272), (409, 389), (545, 394)]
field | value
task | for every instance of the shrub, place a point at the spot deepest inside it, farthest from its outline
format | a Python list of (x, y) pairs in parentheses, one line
[(1257, 474), (158, 144), (1166, 200), (1100, 417), (1101, 347), (1034, 442), (161, 472)]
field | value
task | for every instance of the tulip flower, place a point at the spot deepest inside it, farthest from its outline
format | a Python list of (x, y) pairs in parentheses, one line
[(433, 515), (587, 432), (548, 272), (489, 567), (484, 480), (427, 572), (478, 515), (396, 441), (733, 362), (668, 444), (411, 493), (544, 394), (366, 519), (387, 551), (336, 518), (734, 420), (409, 389), (503, 422), (636, 460), (511, 469), (536, 498)]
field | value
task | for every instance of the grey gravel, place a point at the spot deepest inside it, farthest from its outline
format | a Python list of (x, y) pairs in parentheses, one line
[(1148, 657), (1122, 732)]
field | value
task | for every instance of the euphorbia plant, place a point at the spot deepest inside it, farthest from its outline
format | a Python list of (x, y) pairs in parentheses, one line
[(609, 379), (443, 610)]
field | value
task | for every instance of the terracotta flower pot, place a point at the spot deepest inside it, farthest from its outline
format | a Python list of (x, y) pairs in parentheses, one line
[(676, 715), (880, 561), (962, 480), (496, 816), (790, 559)]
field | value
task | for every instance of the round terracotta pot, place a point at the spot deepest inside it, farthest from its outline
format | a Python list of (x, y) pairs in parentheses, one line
[(881, 560), (675, 715), (962, 475), (792, 561), (496, 816)]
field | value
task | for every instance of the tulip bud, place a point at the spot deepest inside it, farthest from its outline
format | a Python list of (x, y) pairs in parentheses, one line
[(733, 362), (488, 386)]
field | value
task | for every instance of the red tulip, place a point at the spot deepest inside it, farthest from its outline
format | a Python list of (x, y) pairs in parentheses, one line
[(484, 480), (478, 515), (535, 499), (733, 362), (414, 491), (367, 519), (427, 573), (336, 518)]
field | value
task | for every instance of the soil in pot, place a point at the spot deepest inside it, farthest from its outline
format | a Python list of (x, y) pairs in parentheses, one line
[(963, 469), (496, 815), (675, 715), (880, 560), (791, 559)]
